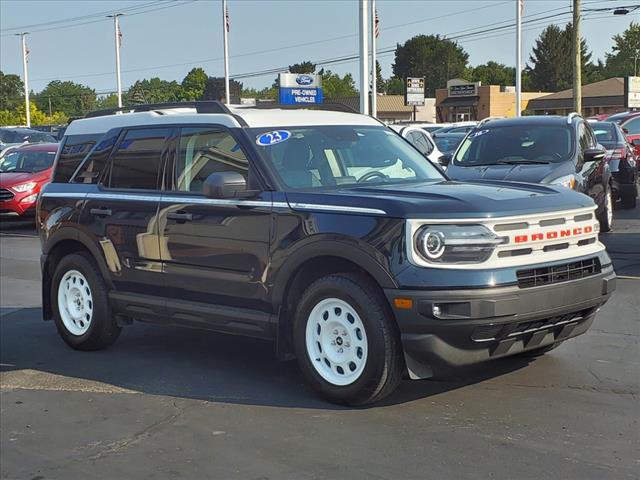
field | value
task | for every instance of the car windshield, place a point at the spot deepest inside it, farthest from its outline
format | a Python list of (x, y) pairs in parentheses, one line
[(338, 156), (605, 133), (448, 144), (516, 144), (21, 136), (27, 161)]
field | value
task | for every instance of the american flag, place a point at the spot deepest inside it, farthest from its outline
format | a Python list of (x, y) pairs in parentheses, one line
[(521, 2), (26, 52), (227, 22), (376, 25), (119, 36)]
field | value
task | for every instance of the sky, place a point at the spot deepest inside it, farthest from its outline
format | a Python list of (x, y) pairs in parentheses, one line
[(166, 39)]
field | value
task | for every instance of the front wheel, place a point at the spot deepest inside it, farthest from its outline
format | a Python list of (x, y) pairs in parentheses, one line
[(606, 217), (347, 345)]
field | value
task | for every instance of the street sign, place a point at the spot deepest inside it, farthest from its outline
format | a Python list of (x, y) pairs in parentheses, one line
[(414, 93), (300, 88), (632, 92)]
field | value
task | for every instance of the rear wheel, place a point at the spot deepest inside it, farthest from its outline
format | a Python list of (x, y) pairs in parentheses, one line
[(80, 308), (347, 345)]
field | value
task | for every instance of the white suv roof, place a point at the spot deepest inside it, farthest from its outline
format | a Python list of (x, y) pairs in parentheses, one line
[(251, 116)]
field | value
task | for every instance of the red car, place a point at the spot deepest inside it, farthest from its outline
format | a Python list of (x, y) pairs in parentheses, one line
[(630, 123), (23, 172)]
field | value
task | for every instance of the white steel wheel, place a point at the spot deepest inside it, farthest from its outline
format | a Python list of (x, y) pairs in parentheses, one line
[(75, 302), (336, 341)]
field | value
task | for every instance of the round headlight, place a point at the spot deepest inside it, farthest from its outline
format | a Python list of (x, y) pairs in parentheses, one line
[(432, 243)]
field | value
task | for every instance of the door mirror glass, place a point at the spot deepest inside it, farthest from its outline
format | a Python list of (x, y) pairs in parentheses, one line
[(225, 185), (445, 159), (594, 154)]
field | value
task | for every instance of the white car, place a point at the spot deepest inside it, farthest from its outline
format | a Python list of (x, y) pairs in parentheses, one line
[(421, 140)]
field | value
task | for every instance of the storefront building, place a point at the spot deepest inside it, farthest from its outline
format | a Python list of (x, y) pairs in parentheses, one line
[(463, 100)]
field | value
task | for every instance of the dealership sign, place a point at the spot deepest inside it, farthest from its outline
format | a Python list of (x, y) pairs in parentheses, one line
[(464, 90), (632, 92), (414, 93), (300, 88)]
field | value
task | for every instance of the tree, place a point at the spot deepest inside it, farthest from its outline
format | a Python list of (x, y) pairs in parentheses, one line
[(624, 59), (379, 79), (334, 86), (267, 93), (17, 116), (303, 67), (394, 86), (154, 90), (430, 56), (214, 88), (108, 101), (492, 73), (551, 60), (11, 91), (194, 83), (73, 99)]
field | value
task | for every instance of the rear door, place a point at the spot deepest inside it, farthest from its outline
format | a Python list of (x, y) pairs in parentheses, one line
[(121, 208), (215, 252), (632, 131)]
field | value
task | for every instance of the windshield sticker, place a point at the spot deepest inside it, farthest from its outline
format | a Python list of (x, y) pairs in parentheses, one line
[(272, 138), (481, 132)]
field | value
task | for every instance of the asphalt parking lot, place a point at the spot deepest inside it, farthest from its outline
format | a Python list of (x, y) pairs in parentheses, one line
[(178, 403)]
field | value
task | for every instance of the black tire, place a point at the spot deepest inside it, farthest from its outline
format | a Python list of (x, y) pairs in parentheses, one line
[(384, 363), (538, 352), (605, 223), (103, 330)]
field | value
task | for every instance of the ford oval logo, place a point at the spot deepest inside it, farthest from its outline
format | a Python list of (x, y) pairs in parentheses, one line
[(304, 79)]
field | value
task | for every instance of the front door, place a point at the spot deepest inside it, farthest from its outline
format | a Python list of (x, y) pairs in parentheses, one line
[(215, 252)]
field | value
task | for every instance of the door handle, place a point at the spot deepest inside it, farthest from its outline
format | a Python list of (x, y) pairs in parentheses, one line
[(180, 217), (101, 212)]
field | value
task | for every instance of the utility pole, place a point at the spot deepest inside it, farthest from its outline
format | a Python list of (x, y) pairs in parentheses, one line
[(577, 59), (374, 65), (519, 8), (225, 37), (25, 74), (118, 41), (364, 58)]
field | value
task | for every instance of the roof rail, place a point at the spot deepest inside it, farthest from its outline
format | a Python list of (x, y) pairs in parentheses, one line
[(487, 120), (205, 106), (570, 117), (336, 107)]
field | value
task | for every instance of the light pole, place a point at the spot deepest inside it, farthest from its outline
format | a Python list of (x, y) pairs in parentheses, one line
[(25, 74), (118, 40), (364, 57), (519, 7), (225, 41)]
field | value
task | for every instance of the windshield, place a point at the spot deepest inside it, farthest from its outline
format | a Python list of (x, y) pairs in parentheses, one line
[(516, 144), (448, 144), (20, 136), (605, 133), (336, 156), (27, 161)]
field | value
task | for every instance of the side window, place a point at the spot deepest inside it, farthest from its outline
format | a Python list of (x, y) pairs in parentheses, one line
[(137, 160), (203, 151), (593, 141), (584, 140), (423, 141), (633, 126), (73, 151), (91, 168)]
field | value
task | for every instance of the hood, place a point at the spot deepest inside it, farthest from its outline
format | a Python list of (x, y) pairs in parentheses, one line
[(9, 179), (532, 173), (448, 199)]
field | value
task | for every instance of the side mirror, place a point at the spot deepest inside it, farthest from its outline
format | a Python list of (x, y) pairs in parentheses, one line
[(626, 132), (594, 154), (225, 185), (445, 159), (635, 142)]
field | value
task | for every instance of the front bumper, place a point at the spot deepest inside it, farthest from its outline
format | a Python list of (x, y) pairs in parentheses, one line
[(472, 326)]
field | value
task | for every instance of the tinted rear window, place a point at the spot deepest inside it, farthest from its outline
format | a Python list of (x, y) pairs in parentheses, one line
[(605, 132), (73, 151)]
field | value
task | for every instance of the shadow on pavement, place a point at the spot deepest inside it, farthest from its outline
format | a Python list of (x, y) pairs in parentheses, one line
[(193, 364), (17, 225), (623, 242)]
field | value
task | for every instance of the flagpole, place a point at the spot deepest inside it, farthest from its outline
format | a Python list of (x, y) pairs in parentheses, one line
[(225, 32), (519, 8), (364, 58), (374, 69), (116, 32), (26, 77)]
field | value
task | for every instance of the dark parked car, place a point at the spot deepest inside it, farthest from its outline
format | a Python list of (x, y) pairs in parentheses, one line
[(447, 144), (18, 135), (322, 231), (539, 149), (630, 124), (622, 162)]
